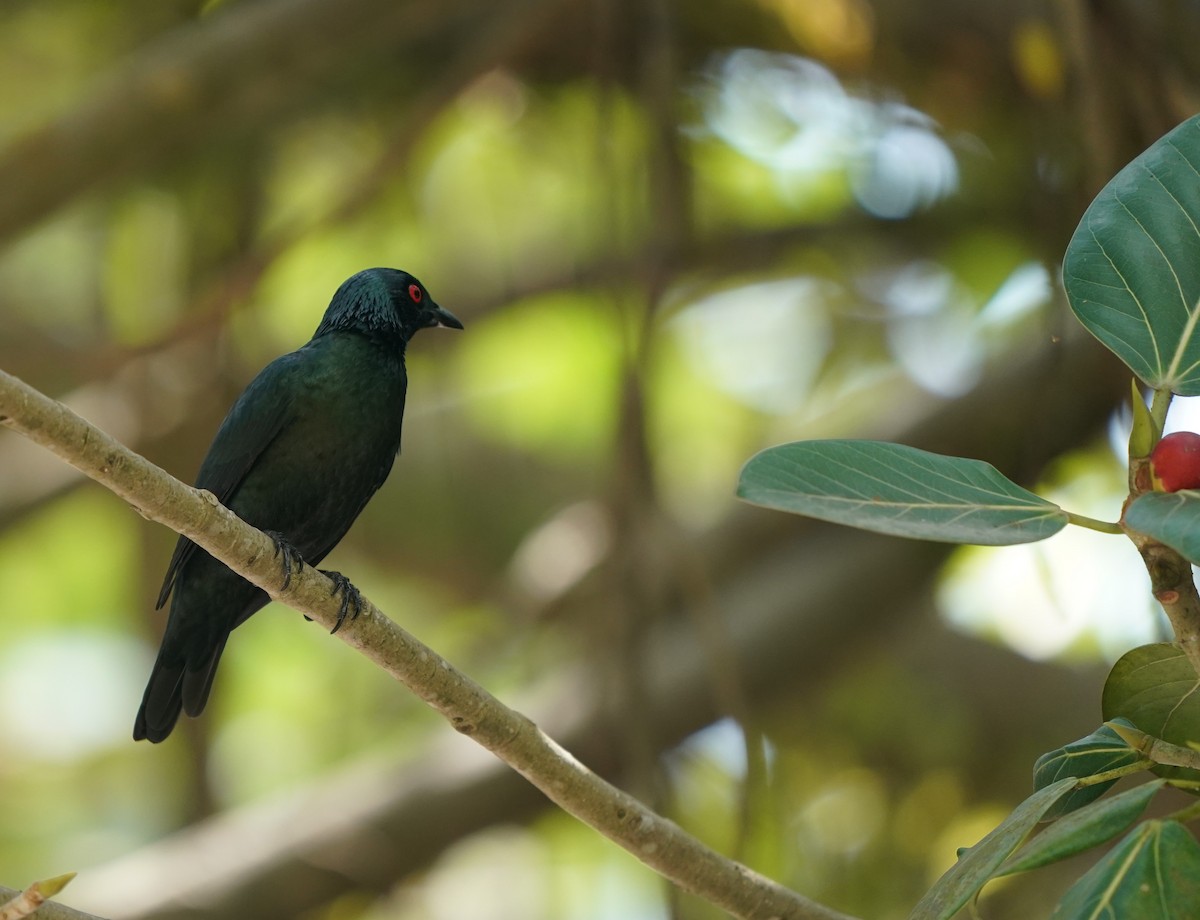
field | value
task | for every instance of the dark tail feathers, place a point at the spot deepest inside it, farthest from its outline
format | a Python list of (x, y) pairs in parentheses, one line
[(180, 680)]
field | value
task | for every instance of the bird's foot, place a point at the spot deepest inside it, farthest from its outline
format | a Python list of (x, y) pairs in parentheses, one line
[(351, 599), (289, 559)]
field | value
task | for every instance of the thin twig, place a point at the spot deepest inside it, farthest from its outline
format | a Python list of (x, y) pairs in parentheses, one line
[(1173, 586)]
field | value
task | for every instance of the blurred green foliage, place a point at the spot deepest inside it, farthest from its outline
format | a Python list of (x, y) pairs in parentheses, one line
[(666, 258)]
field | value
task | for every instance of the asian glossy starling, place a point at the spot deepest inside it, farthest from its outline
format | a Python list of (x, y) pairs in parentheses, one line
[(299, 455)]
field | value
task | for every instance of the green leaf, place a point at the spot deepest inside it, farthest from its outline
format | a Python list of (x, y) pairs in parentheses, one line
[(1172, 518), (1099, 752), (898, 490), (1152, 874), (1083, 829), (1154, 687), (979, 863), (1132, 269)]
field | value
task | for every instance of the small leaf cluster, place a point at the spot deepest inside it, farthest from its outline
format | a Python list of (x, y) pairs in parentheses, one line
[(1132, 278)]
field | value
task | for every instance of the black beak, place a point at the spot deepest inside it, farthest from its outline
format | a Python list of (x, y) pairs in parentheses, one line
[(439, 317)]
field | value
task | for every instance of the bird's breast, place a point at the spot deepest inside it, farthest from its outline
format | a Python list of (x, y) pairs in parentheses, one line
[(334, 451)]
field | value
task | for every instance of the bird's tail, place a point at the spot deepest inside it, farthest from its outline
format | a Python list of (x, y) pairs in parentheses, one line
[(180, 680)]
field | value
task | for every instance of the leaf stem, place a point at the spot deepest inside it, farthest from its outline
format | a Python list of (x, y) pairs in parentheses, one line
[(1093, 524), (1159, 406), (1158, 750), (1115, 773)]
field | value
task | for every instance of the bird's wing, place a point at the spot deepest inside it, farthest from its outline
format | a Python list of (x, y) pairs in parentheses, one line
[(256, 419)]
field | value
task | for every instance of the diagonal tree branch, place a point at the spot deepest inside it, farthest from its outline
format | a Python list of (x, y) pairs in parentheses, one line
[(655, 841)]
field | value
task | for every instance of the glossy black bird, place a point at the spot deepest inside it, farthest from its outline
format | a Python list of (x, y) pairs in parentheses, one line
[(305, 446)]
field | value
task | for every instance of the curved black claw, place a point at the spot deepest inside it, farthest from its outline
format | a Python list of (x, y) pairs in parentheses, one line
[(350, 597), (289, 559)]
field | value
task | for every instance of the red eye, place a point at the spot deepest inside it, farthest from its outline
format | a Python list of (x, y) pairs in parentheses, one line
[(415, 292)]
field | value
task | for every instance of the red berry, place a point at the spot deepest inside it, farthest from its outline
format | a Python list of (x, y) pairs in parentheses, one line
[(1175, 462)]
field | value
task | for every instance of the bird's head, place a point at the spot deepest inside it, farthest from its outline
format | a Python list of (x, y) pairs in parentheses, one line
[(385, 303)]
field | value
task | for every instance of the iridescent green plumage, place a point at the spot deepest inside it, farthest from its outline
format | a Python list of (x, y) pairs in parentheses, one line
[(301, 452)]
